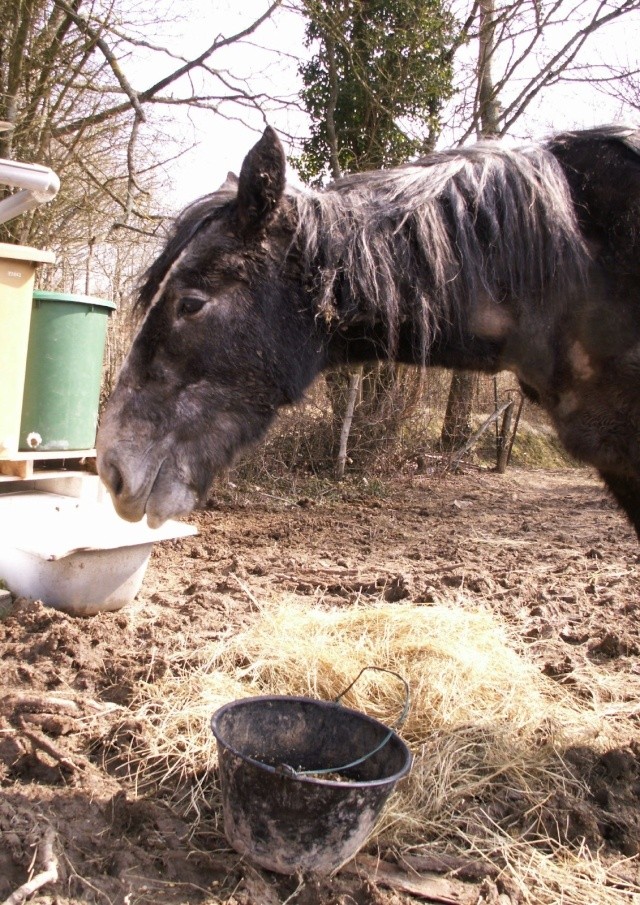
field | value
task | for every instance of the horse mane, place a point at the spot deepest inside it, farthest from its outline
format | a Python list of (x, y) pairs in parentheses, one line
[(629, 136), (425, 240)]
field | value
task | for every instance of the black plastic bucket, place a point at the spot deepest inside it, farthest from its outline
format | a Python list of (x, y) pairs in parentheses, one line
[(290, 822)]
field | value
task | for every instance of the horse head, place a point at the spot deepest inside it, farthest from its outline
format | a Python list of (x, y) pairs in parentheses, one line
[(228, 337)]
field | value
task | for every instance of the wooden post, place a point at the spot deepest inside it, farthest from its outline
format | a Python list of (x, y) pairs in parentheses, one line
[(503, 445), (515, 428)]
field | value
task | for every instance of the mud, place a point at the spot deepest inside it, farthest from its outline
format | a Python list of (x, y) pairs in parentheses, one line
[(547, 550)]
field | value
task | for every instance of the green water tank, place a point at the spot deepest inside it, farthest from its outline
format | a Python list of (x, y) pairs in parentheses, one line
[(64, 371)]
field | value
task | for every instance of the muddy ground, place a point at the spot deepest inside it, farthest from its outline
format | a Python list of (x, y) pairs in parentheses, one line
[(546, 549)]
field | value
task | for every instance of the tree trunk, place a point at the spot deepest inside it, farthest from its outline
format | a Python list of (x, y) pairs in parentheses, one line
[(352, 395), (456, 427), (488, 104)]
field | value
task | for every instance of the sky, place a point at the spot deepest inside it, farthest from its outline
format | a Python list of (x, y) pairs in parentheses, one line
[(219, 144)]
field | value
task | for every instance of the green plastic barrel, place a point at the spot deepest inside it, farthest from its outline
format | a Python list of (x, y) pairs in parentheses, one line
[(64, 371)]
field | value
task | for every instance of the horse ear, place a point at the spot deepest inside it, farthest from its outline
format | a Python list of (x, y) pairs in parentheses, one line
[(230, 183), (261, 183)]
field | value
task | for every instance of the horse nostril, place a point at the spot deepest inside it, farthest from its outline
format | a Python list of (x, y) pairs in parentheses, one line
[(117, 481), (112, 477)]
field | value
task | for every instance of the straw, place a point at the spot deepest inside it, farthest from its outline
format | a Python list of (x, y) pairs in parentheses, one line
[(488, 730)]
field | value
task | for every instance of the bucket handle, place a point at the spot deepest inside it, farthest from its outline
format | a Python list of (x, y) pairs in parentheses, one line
[(407, 699), (398, 723)]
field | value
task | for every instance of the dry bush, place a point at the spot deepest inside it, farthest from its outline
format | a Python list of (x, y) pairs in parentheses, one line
[(403, 436), (122, 325)]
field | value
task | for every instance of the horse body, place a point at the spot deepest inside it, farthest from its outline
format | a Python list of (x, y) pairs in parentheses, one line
[(483, 258)]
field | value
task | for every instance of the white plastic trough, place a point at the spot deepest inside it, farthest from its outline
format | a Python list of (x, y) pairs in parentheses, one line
[(73, 554)]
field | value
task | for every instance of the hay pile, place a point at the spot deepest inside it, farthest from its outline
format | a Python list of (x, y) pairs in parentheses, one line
[(489, 732)]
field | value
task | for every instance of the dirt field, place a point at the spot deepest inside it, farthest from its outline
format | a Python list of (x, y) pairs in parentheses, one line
[(546, 550)]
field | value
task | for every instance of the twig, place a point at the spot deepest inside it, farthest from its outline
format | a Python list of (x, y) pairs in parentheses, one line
[(49, 875), (459, 454), (433, 889), (467, 869), (20, 703), (254, 600), (45, 745), (280, 499)]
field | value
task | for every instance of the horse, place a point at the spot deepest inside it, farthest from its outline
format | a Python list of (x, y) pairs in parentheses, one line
[(483, 258)]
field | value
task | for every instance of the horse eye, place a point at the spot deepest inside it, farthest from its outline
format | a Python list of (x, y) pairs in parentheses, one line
[(190, 304)]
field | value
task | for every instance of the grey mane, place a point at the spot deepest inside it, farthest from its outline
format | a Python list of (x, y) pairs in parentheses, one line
[(629, 136), (425, 241)]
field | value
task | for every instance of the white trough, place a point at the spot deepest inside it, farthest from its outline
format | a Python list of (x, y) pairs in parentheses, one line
[(73, 554)]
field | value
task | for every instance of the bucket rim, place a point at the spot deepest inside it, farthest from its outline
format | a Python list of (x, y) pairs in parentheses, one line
[(324, 705)]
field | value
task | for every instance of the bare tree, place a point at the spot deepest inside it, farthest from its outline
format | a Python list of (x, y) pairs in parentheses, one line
[(522, 50), (536, 47), (70, 92), (456, 426)]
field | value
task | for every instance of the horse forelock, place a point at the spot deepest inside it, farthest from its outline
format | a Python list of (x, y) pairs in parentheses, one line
[(424, 240), (195, 218)]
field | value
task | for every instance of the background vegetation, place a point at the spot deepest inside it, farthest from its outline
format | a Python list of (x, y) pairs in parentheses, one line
[(99, 90)]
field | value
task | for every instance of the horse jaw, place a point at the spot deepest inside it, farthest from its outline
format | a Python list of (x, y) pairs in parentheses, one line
[(142, 476), (169, 499)]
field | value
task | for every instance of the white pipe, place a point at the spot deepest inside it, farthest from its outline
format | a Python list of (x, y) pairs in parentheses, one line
[(39, 184)]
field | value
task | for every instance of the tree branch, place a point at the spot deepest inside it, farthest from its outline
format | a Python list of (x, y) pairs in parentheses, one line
[(143, 97), (107, 53), (562, 59), (49, 861)]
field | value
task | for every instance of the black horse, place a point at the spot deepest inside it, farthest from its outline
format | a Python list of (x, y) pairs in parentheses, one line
[(482, 258)]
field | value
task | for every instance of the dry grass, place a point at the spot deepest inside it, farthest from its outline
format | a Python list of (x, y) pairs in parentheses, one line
[(488, 731)]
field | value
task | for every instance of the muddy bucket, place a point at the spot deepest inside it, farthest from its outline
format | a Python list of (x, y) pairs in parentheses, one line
[(303, 781)]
